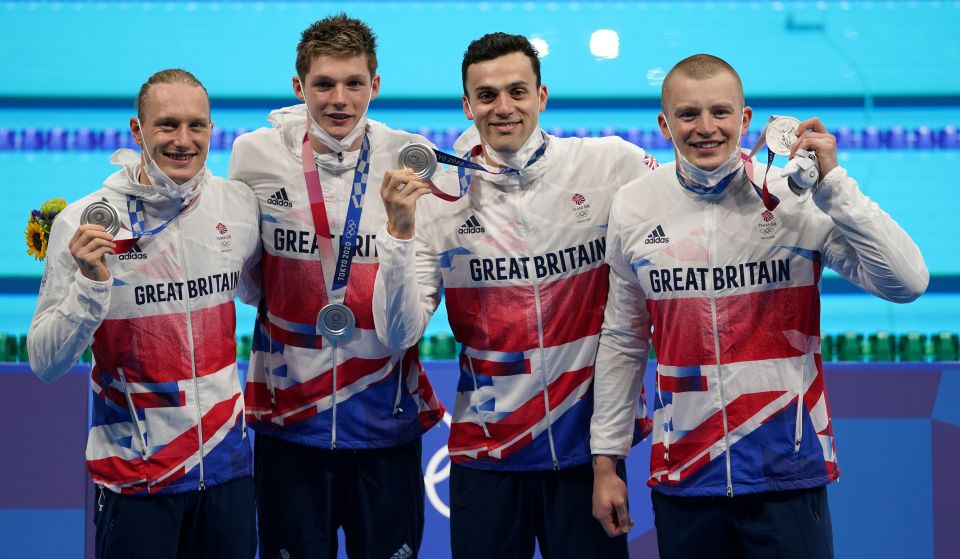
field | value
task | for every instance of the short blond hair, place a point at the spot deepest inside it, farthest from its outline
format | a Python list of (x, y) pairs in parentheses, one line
[(171, 75), (699, 67)]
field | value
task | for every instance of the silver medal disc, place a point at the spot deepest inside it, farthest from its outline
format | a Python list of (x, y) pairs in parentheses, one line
[(335, 321), (102, 213), (419, 158), (781, 134)]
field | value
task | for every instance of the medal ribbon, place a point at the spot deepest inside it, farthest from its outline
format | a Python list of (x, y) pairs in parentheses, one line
[(340, 271), (462, 164), (138, 222)]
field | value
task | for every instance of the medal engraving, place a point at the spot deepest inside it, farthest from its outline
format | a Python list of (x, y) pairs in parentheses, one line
[(418, 158), (781, 134), (335, 321), (103, 214)]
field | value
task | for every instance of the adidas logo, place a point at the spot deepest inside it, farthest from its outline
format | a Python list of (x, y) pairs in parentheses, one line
[(403, 553), (472, 225), (280, 198), (135, 253), (656, 236)]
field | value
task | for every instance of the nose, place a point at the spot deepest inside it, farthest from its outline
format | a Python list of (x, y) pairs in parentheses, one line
[(181, 137), (706, 125), (338, 96), (503, 105)]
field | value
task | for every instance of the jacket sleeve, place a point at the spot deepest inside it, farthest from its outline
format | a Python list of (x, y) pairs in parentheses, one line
[(70, 308), (406, 291), (634, 162), (622, 354), (249, 289), (866, 246)]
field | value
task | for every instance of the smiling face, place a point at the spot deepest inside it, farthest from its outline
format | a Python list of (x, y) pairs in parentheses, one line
[(337, 91), (175, 124), (705, 118), (503, 100)]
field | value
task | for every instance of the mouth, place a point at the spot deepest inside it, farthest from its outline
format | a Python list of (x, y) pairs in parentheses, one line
[(179, 158), (339, 118), (706, 146), (505, 127)]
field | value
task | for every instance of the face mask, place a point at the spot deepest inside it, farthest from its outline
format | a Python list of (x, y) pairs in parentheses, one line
[(321, 135), (709, 179), (160, 180), (514, 160)]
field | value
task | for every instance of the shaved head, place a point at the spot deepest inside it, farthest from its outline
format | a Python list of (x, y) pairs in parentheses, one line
[(698, 67)]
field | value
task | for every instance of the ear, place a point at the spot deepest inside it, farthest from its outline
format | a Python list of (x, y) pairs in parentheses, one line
[(747, 116), (543, 97), (375, 87), (466, 107), (136, 131), (297, 88), (664, 129)]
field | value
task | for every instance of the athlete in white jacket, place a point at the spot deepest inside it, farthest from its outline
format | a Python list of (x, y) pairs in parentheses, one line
[(520, 262), (725, 268), (167, 443), (338, 420)]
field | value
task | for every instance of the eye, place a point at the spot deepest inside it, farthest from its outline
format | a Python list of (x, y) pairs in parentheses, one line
[(486, 96), (356, 84), (687, 116), (518, 93)]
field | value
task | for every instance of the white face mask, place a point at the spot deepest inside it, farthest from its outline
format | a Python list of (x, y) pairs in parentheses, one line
[(321, 135), (709, 179), (160, 180), (514, 160)]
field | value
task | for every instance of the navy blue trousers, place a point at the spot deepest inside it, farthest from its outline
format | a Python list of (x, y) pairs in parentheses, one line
[(500, 515), (775, 525), (305, 494), (216, 523)]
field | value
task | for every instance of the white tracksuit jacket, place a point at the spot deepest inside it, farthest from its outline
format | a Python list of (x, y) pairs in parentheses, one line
[(731, 291), (382, 397), (167, 405), (520, 261)]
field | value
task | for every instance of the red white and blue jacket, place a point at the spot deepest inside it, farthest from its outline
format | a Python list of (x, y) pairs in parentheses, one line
[(382, 396), (520, 259), (731, 291), (167, 405)]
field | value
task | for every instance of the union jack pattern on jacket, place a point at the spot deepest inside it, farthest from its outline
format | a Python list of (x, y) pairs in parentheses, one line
[(167, 405), (382, 396), (731, 291), (520, 260)]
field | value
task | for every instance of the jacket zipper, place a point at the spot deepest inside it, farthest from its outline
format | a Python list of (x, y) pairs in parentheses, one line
[(133, 414), (333, 395), (666, 421), (397, 410), (543, 371), (716, 349), (798, 431), (193, 358)]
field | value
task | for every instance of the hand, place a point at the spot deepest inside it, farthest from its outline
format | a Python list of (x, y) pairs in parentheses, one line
[(400, 191), (89, 246), (610, 497), (815, 137)]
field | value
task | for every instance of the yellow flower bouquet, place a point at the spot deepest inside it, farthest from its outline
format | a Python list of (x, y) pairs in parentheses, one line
[(38, 227)]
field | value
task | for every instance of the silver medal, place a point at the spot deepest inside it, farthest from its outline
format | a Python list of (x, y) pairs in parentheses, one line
[(782, 134), (335, 321), (419, 158), (102, 213)]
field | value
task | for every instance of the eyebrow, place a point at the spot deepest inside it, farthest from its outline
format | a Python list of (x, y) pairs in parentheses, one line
[(511, 85)]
